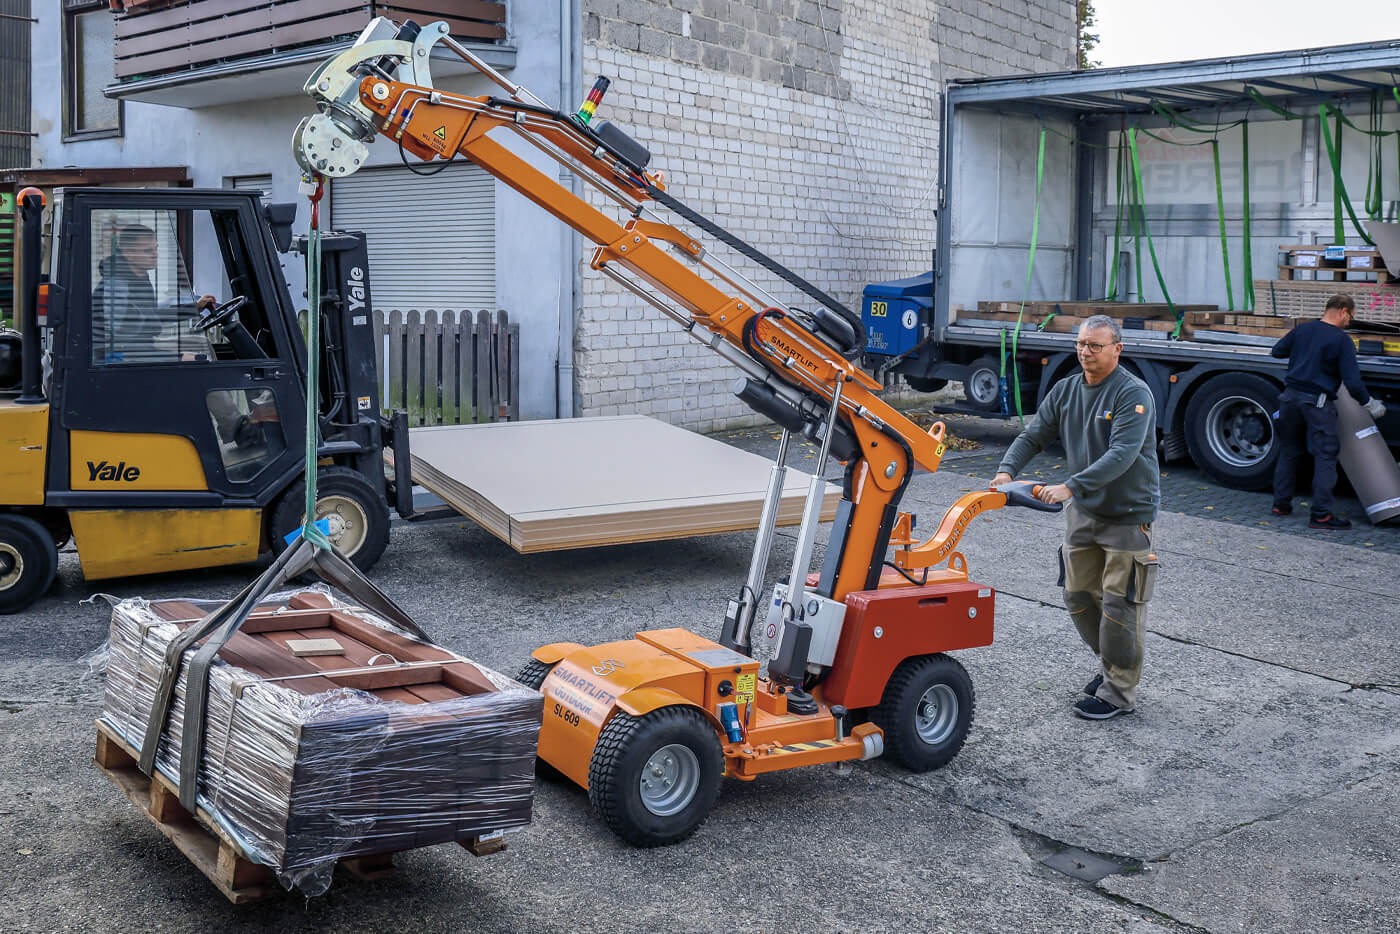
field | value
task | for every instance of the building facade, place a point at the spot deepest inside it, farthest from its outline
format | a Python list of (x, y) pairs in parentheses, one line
[(807, 127)]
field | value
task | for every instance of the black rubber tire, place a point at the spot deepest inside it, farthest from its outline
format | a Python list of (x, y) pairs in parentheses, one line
[(982, 373), (925, 384), (28, 561), (534, 673), (897, 714), (615, 771), (1229, 431), (363, 508)]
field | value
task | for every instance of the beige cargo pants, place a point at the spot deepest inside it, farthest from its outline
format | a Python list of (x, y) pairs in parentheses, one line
[(1108, 572)]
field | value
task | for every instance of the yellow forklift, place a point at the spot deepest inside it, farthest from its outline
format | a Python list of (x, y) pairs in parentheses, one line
[(152, 406)]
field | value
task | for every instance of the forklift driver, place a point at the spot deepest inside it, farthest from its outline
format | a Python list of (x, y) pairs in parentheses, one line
[(126, 319)]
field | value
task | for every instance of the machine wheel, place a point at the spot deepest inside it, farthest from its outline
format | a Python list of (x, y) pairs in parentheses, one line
[(534, 673), (926, 712), (654, 779), (358, 515), (1229, 430), (28, 561), (982, 386), (925, 384), (532, 676)]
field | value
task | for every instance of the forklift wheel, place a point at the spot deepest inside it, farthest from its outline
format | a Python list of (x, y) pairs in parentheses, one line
[(926, 712), (654, 779), (28, 561), (359, 516)]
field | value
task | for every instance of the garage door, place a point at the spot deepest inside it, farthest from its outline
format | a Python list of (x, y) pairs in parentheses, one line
[(432, 241)]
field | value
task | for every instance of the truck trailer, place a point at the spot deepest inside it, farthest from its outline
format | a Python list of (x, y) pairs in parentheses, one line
[(1175, 184)]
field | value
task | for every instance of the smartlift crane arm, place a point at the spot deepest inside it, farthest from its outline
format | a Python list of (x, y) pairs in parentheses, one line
[(795, 364)]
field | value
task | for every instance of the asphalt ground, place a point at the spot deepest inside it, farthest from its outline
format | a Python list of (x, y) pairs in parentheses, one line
[(1255, 789)]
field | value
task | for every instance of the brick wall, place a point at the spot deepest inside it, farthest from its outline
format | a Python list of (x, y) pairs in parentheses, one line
[(979, 38), (808, 128)]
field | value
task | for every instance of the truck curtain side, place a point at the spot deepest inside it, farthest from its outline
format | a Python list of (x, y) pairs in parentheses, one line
[(999, 195)]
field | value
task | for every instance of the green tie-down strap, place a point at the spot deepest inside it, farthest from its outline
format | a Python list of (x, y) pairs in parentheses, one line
[(1152, 250), (1026, 287), (1341, 201), (1214, 144), (313, 366)]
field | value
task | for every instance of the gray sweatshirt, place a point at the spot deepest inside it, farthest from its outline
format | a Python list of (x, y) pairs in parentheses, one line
[(1110, 436)]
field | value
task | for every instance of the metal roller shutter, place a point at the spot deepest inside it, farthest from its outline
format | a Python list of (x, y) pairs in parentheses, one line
[(432, 241)]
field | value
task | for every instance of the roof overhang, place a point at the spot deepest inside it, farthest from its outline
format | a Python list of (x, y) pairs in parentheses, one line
[(1281, 77), (272, 76)]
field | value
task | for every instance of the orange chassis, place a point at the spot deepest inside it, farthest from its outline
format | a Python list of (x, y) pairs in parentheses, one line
[(659, 668)]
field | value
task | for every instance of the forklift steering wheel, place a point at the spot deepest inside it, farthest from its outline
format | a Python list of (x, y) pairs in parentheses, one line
[(220, 315)]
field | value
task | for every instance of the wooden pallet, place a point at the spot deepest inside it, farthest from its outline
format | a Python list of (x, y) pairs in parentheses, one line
[(1117, 310), (211, 850)]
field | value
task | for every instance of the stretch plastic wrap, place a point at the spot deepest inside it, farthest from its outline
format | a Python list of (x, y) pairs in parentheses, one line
[(302, 780)]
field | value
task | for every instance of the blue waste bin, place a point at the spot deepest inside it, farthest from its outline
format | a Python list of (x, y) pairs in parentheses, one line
[(893, 311)]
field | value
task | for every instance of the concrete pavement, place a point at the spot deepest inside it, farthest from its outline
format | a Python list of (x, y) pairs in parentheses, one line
[(1254, 790)]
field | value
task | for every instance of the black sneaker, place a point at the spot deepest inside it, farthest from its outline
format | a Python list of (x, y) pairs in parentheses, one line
[(1286, 509), (1092, 687), (1329, 521), (1091, 708)]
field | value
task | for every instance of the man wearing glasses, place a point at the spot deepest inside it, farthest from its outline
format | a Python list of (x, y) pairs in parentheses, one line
[(1105, 418)]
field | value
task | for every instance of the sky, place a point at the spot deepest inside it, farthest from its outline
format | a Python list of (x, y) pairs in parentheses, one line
[(1137, 32)]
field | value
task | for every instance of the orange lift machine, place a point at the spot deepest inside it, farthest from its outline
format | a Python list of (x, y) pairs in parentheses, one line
[(651, 725)]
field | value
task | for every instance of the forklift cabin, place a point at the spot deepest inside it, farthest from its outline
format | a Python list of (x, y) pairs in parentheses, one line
[(173, 374)]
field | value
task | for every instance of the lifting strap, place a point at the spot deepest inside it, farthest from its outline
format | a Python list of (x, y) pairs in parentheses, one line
[(313, 365)]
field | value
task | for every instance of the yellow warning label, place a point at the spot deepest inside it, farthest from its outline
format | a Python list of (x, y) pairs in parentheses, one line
[(440, 132), (743, 688), (938, 451)]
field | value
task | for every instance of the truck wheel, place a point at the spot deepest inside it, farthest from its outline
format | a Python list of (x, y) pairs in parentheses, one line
[(982, 385), (1230, 431), (926, 712), (359, 517), (28, 561), (654, 779), (925, 384)]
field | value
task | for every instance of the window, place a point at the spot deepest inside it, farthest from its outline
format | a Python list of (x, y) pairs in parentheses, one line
[(151, 305), (89, 65)]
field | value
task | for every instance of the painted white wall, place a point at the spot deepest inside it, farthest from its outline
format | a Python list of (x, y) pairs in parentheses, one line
[(254, 138)]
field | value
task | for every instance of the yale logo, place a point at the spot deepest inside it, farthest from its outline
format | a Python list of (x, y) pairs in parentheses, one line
[(113, 473), (356, 288)]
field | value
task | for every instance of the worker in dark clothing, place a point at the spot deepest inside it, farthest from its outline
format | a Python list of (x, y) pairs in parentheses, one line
[(1320, 358)]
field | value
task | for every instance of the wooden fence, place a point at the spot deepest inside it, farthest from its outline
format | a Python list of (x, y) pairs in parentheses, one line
[(449, 368)]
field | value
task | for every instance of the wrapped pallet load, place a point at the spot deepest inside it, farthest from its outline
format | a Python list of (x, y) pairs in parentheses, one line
[(328, 733)]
